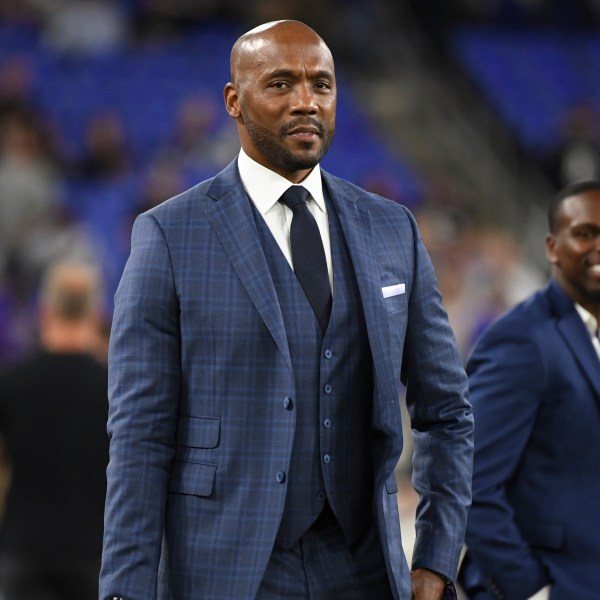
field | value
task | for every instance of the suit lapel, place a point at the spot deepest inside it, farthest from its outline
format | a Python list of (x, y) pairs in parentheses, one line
[(233, 222), (576, 336), (356, 225)]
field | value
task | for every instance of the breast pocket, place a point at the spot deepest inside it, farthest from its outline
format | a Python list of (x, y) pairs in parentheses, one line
[(395, 297)]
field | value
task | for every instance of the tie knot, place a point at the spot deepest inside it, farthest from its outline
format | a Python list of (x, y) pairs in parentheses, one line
[(294, 196)]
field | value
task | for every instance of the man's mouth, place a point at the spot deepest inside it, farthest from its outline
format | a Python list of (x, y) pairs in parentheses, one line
[(307, 130), (306, 133)]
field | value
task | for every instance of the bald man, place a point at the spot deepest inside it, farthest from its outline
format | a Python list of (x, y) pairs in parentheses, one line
[(263, 325)]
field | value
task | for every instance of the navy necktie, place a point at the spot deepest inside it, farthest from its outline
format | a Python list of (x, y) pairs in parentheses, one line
[(308, 255)]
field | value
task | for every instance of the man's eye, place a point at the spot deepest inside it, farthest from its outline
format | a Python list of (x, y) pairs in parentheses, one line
[(586, 234)]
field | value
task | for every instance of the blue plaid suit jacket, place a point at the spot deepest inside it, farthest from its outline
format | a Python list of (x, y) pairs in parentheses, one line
[(200, 369)]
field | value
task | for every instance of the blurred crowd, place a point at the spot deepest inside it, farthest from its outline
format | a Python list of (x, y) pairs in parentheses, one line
[(513, 13), (481, 272)]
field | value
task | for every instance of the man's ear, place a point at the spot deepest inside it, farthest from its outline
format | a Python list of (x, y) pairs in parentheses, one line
[(230, 94), (550, 246)]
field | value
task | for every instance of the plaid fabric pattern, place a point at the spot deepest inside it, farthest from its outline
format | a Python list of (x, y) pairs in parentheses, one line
[(305, 489), (199, 373), (322, 566), (333, 388)]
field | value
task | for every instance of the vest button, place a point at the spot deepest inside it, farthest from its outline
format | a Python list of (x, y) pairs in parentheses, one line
[(326, 459), (288, 404), (327, 423), (280, 477), (327, 389), (328, 353)]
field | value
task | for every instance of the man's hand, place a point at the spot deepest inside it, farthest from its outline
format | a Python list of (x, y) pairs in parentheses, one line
[(426, 585)]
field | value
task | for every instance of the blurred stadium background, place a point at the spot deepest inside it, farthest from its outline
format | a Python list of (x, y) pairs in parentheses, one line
[(472, 113)]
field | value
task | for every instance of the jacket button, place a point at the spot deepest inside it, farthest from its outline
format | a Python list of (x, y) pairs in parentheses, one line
[(328, 353), (327, 423), (321, 496), (288, 403), (280, 477), (326, 459), (327, 389)]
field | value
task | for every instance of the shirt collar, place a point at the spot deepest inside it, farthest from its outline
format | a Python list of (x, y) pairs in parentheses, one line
[(589, 320), (265, 187)]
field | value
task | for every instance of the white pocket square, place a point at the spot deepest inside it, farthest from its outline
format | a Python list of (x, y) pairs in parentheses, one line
[(393, 290)]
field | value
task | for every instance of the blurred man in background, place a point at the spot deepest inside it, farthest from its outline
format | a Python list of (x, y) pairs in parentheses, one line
[(535, 388), (53, 413)]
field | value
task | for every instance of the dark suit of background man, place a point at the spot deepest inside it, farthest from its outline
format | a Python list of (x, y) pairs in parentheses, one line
[(53, 421), (257, 447), (534, 527)]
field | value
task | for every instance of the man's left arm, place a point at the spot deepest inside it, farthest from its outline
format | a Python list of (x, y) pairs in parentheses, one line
[(441, 421)]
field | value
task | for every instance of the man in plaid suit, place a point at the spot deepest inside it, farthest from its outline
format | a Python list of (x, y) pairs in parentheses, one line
[(253, 446)]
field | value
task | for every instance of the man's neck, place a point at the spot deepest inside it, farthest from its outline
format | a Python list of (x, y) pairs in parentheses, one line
[(71, 338)]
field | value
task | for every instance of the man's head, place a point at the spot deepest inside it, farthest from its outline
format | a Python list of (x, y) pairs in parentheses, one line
[(282, 94), (70, 307), (573, 243)]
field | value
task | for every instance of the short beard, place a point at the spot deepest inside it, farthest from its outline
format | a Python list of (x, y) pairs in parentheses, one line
[(279, 155)]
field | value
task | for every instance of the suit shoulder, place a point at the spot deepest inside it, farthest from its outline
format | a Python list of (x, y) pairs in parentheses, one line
[(194, 196), (374, 203), (196, 199), (20, 370), (525, 318)]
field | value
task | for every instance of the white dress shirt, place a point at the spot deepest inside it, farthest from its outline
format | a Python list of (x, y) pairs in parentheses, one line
[(543, 594), (265, 187), (591, 324)]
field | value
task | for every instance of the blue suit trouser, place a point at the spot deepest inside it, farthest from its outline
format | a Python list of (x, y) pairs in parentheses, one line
[(321, 566)]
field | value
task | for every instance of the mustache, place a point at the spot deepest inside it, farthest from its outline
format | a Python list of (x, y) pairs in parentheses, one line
[(302, 122)]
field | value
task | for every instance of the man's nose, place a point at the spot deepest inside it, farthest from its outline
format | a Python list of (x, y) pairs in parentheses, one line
[(304, 100)]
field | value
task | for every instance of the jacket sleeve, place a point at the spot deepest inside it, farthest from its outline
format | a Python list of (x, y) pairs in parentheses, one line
[(144, 384), (442, 423), (506, 376)]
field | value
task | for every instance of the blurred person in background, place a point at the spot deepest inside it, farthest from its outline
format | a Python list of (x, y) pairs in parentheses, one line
[(30, 211), (199, 143), (82, 27), (53, 413), (535, 388), (106, 154), (29, 178), (577, 156), (255, 429), (16, 84)]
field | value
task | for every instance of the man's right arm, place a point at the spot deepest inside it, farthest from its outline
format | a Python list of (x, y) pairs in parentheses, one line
[(143, 402)]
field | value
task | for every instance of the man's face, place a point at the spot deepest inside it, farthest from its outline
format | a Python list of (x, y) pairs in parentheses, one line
[(284, 100), (574, 248)]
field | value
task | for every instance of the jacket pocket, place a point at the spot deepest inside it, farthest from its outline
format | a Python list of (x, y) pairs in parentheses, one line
[(199, 432), (195, 479), (396, 303)]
